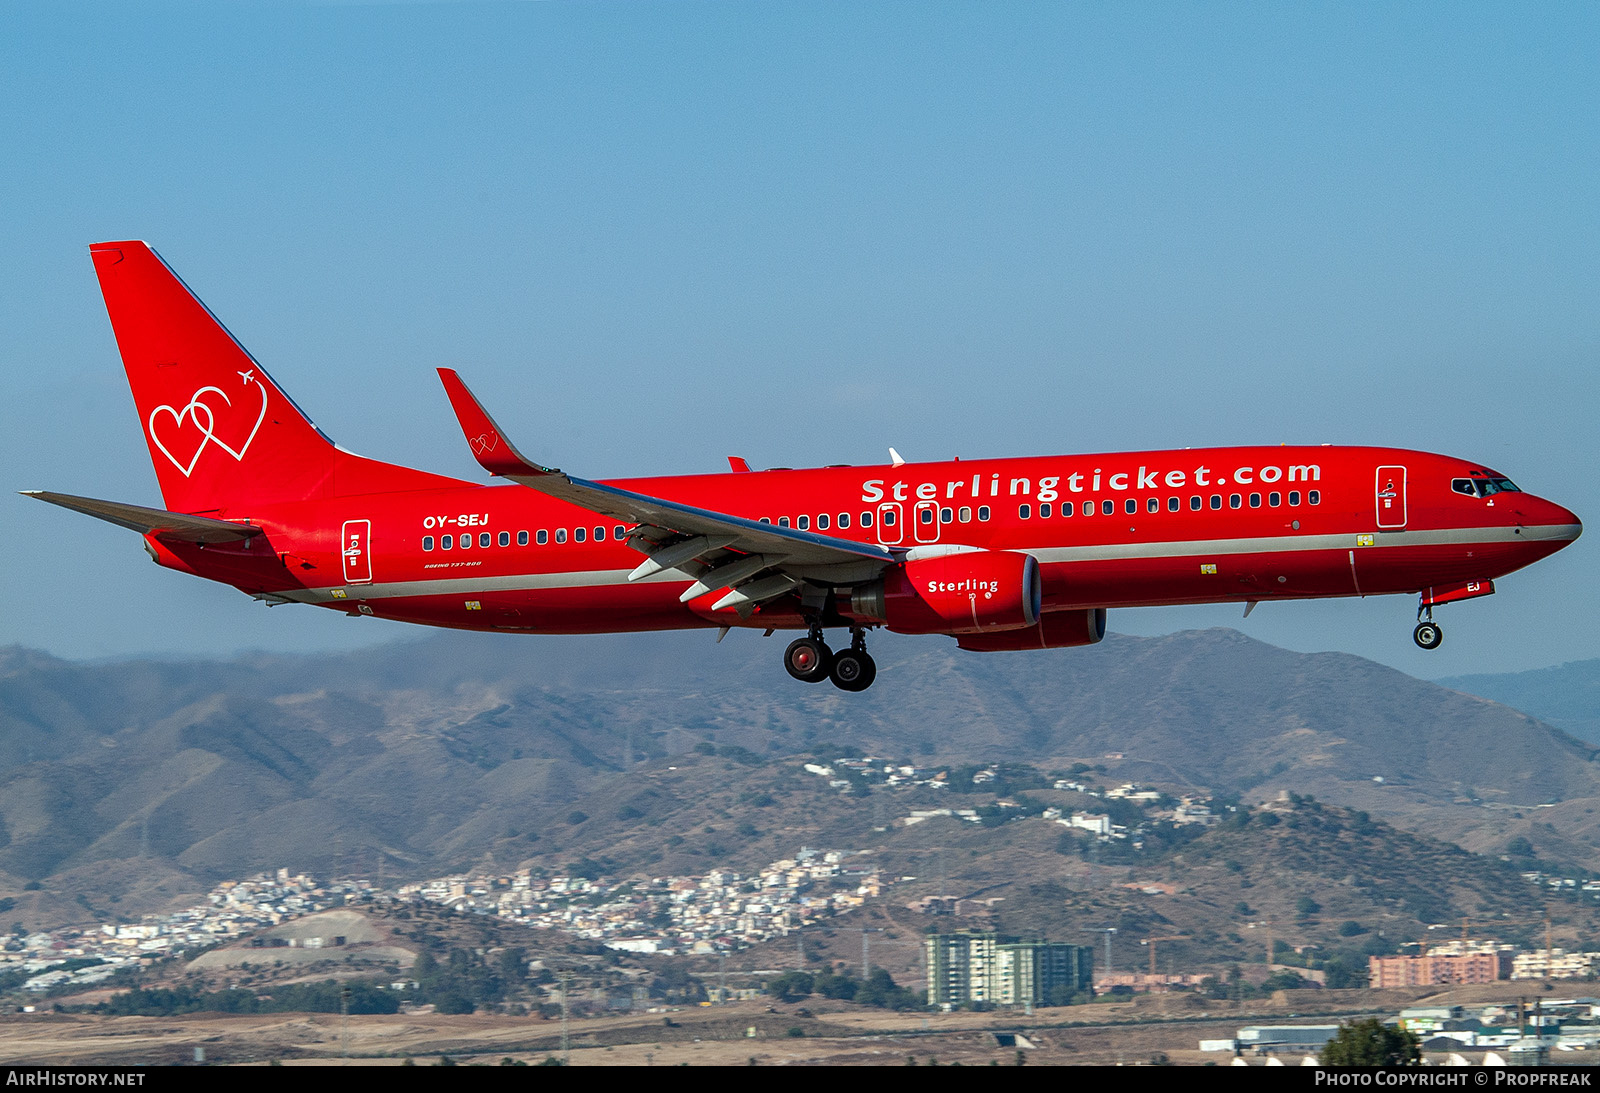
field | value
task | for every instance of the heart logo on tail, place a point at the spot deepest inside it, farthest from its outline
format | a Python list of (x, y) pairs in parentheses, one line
[(484, 442), (193, 427)]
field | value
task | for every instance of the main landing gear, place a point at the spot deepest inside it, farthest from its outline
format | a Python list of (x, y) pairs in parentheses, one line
[(1428, 634), (810, 660)]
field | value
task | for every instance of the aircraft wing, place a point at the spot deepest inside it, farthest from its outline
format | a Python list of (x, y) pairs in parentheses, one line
[(177, 526), (716, 546)]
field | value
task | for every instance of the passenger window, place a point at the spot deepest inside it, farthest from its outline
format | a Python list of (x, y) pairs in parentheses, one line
[(822, 521), (1066, 508), (844, 520), (619, 533), (888, 518), (1172, 504), (1024, 511), (1234, 500), (544, 537), (600, 535), (803, 523), (579, 534), (522, 538), (1216, 500), (484, 539), (561, 535), (1255, 500), (1294, 497), (1154, 504), (446, 542), (427, 542), (1314, 497), (1108, 507), (1274, 499), (1194, 503), (766, 519), (925, 516), (783, 521), (1044, 510), (946, 516), (505, 538), (983, 512), (1130, 506), (965, 514), (866, 519), (466, 541)]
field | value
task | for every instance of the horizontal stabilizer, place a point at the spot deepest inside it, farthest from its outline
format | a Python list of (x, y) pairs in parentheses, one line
[(166, 525)]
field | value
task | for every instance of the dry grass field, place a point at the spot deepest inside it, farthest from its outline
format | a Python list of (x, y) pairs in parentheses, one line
[(748, 1033)]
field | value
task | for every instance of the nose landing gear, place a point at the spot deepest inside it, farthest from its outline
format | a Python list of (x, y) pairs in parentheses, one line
[(809, 660), (1428, 634)]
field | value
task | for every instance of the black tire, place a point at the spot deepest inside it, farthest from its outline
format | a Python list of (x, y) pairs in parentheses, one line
[(853, 670), (808, 660), (1428, 635)]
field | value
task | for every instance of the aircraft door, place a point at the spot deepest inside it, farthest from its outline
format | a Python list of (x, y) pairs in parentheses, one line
[(355, 545), (891, 520), (926, 526), (1391, 497)]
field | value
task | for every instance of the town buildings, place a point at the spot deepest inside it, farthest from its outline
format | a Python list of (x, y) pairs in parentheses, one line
[(969, 968), (1456, 963)]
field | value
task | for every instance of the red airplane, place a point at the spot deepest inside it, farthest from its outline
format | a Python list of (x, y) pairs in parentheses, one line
[(1001, 554)]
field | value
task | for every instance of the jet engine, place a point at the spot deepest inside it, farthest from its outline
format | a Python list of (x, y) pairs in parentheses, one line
[(958, 592), (1057, 630)]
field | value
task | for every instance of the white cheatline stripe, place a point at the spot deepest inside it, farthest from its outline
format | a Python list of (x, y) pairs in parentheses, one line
[(1275, 544)]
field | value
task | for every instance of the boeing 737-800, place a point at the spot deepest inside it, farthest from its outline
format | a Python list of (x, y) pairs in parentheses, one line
[(1000, 554)]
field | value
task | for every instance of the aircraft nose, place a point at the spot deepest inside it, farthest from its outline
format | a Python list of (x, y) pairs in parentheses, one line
[(1565, 522)]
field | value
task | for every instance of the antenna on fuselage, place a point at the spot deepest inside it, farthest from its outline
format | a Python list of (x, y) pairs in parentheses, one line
[(896, 458)]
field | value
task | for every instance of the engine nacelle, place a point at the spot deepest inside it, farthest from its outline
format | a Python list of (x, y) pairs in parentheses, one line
[(1057, 630), (956, 592)]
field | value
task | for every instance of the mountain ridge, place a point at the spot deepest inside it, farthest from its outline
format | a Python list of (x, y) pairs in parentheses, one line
[(435, 752)]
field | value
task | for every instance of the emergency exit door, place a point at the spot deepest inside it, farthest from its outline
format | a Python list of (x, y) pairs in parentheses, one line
[(1391, 497), (356, 548)]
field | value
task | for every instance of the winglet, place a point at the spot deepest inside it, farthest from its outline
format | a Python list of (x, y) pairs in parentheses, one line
[(738, 464), (493, 449)]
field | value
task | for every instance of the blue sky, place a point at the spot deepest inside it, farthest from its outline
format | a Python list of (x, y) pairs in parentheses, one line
[(652, 235)]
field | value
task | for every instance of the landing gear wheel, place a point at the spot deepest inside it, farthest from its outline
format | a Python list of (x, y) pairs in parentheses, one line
[(808, 660), (1428, 635), (853, 670)]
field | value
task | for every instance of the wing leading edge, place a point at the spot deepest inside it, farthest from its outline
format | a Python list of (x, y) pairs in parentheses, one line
[(755, 561)]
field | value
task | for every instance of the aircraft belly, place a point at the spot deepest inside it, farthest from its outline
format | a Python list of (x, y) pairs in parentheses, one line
[(597, 609), (1220, 578)]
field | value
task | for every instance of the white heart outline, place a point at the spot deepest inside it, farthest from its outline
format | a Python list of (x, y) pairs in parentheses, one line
[(191, 411)]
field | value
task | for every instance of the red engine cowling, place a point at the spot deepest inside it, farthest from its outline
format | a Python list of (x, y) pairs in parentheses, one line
[(1057, 630), (970, 592)]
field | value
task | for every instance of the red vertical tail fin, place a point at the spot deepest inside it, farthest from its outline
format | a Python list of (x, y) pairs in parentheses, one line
[(221, 433)]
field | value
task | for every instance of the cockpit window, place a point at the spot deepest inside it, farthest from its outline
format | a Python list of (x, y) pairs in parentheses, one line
[(1483, 487)]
